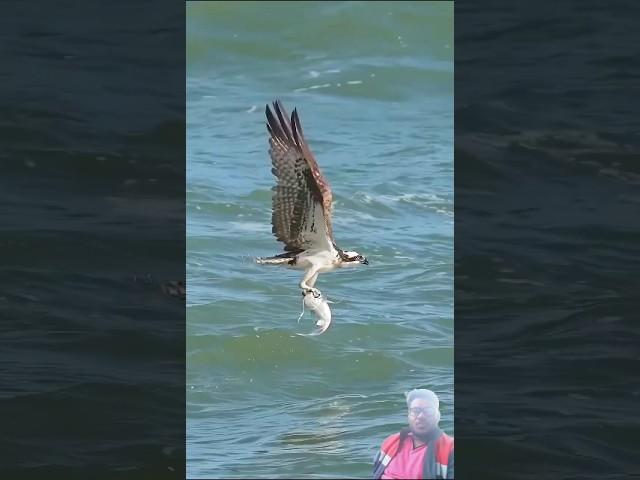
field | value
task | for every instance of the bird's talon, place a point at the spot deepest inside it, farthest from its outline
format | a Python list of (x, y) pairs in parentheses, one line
[(316, 293)]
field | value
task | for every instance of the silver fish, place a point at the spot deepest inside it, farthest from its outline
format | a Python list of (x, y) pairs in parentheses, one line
[(320, 307)]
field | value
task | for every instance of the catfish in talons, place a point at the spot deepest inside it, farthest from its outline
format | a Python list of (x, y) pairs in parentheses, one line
[(320, 307)]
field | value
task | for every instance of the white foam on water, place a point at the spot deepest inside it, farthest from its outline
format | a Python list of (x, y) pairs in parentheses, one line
[(312, 87)]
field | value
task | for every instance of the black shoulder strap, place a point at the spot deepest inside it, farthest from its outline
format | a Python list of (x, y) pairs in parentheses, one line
[(429, 470), (404, 433)]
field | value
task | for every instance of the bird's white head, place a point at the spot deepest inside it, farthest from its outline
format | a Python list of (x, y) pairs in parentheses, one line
[(353, 258)]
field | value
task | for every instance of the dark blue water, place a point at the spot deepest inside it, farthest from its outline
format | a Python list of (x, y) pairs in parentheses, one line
[(91, 226), (547, 176)]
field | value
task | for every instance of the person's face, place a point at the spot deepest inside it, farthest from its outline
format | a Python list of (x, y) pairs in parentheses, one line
[(422, 416)]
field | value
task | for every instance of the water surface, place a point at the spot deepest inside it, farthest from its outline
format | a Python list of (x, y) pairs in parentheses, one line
[(373, 84)]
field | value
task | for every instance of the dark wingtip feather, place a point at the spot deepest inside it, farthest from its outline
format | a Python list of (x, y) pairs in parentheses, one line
[(297, 126), (284, 121), (274, 128), (294, 129)]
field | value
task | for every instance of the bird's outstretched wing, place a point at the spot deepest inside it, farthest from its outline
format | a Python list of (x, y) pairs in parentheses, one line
[(301, 203)]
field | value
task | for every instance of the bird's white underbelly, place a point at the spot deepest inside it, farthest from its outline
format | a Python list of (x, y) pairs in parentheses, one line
[(324, 261)]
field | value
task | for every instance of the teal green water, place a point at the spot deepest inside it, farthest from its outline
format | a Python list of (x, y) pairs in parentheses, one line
[(373, 84)]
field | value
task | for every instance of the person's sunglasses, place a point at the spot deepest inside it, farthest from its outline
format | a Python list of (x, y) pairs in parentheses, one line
[(427, 412)]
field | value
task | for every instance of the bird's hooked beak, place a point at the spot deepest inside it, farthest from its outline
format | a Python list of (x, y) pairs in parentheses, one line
[(365, 261)]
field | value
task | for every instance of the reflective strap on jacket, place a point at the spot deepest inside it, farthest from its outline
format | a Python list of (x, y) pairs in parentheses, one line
[(441, 470), (440, 457), (388, 450)]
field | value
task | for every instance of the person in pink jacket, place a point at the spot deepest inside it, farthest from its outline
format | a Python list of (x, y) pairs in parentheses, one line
[(421, 451)]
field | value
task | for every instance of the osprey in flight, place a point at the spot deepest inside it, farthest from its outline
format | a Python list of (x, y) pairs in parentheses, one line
[(301, 205)]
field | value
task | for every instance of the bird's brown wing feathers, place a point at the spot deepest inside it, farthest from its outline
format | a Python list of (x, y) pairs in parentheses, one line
[(301, 203)]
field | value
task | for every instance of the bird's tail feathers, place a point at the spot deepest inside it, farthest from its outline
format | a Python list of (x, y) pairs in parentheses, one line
[(273, 260)]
